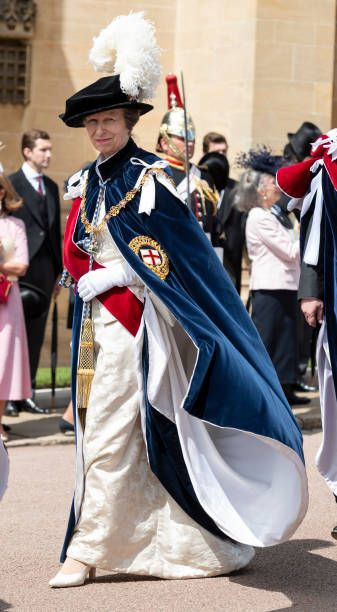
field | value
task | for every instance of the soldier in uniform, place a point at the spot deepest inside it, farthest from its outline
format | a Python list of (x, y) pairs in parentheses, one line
[(201, 197)]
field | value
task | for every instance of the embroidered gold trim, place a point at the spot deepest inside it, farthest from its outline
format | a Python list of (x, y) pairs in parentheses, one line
[(116, 208), (211, 195), (140, 242)]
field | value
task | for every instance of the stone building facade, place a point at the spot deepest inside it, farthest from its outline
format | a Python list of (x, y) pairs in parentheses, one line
[(253, 69)]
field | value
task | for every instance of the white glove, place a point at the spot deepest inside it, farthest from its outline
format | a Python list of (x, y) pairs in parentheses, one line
[(98, 281)]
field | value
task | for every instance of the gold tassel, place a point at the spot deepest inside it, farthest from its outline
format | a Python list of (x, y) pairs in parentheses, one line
[(85, 370)]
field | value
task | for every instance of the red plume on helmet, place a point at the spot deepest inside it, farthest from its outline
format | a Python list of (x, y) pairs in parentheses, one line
[(173, 95), (173, 122)]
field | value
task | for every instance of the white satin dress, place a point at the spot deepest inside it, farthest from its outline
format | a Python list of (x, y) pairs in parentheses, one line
[(128, 523)]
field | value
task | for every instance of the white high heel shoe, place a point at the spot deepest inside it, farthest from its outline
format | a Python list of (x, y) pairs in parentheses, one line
[(76, 579)]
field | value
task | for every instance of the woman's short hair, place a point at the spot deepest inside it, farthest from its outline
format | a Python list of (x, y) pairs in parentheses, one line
[(245, 195), (11, 201), (131, 117)]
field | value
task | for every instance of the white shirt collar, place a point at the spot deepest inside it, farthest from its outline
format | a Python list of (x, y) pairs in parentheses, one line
[(29, 172)]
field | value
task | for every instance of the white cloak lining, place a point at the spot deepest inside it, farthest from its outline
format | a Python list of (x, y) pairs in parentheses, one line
[(79, 471), (253, 487), (258, 502), (326, 458)]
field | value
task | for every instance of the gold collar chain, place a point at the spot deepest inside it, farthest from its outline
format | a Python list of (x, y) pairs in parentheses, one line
[(116, 208)]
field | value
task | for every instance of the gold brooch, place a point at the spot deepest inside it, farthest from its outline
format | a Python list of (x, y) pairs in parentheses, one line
[(151, 254)]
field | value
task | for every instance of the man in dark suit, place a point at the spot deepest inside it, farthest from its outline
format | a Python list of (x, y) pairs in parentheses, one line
[(41, 214), (311, 286)]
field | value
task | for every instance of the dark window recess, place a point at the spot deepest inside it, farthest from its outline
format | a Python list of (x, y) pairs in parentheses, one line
[(14, 72)]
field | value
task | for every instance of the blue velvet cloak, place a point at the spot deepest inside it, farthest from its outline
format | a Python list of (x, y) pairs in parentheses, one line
[(234, 383), (329, 237)]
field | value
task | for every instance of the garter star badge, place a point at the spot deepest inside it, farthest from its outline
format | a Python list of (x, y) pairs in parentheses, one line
[(151, 254)]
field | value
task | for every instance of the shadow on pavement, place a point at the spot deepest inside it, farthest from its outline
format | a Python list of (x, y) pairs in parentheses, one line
[(110, 578), (309, 416), (31, 426), (294, 569), (4, 605)]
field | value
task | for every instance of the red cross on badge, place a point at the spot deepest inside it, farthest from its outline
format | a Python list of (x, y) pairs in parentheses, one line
[(151, 256)]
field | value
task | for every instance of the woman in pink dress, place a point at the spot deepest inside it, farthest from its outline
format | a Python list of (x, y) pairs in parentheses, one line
[(14, 360)]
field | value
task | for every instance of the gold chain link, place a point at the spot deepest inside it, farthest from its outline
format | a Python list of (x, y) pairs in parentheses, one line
[(116, 208)]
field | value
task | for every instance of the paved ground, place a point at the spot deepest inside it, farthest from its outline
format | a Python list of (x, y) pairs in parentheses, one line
[(40, 430), (35, 430), (300, 574)]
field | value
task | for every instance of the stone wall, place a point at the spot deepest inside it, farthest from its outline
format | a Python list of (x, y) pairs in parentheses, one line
[(215, 48), (294, 67)]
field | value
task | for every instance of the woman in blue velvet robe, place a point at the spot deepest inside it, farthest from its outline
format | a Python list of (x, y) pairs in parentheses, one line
[(190, 454)]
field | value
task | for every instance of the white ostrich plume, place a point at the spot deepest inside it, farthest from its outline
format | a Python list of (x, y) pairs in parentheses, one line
[(128, 47)]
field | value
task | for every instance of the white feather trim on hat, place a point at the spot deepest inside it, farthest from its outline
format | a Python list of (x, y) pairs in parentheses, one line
[(128, 47)]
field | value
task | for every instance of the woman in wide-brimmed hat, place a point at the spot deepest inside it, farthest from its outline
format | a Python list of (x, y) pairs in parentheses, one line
[(187, 454)]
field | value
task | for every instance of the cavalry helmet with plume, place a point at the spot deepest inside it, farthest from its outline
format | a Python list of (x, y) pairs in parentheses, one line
[(173, 122)]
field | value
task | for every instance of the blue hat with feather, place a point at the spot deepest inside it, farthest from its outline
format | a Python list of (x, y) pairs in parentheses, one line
[(260, 159)]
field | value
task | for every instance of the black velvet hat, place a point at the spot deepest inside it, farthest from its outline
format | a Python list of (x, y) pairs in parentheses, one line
[(260, 160), (104, 94), (301, 140)]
